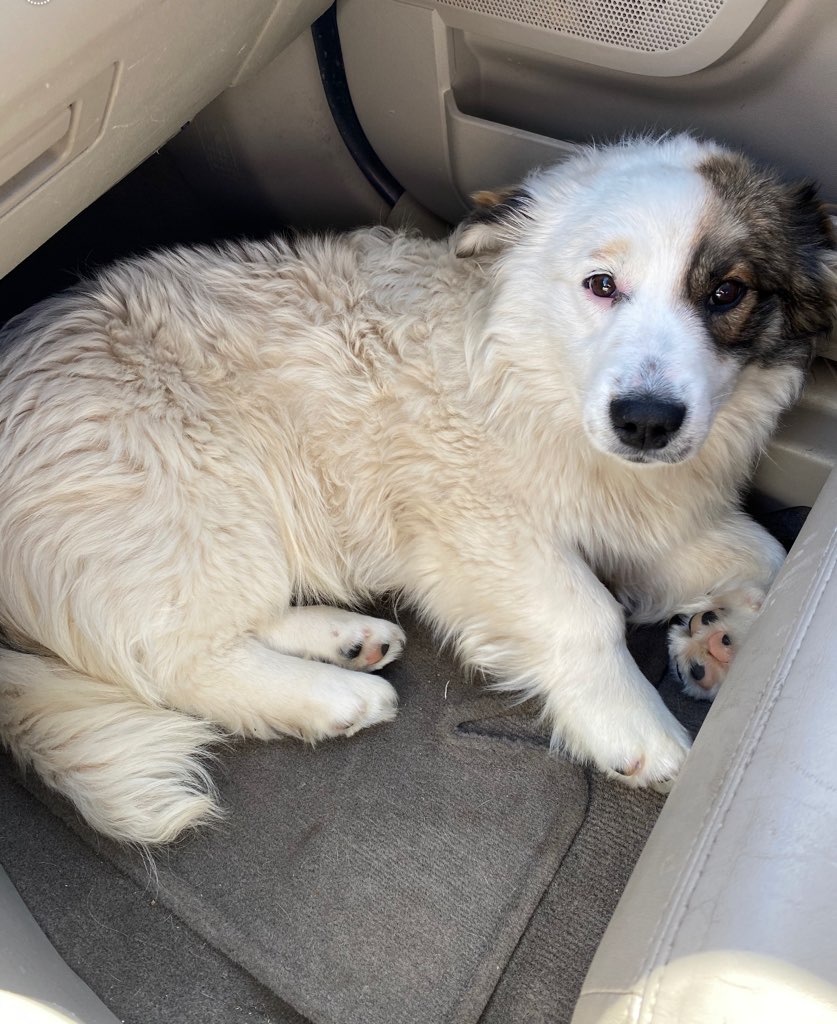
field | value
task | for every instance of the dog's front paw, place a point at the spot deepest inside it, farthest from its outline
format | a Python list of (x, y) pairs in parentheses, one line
[(702, 645), (652, 759), (637, 741)]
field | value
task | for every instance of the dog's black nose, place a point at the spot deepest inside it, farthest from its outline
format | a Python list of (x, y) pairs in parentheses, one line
[(646, 423)]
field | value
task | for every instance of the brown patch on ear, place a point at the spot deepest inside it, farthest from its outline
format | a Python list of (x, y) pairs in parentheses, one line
[(780, 233), (497, 217)]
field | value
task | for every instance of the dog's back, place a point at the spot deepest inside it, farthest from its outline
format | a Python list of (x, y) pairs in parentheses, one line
[(188, 443)]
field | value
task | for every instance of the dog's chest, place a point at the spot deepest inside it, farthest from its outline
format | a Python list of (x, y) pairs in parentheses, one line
[(621, 519)]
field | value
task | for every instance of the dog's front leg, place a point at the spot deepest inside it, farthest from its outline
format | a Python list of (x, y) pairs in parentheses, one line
[(544, 624)]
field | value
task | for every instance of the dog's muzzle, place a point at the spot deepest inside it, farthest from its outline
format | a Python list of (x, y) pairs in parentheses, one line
[(646, 423)]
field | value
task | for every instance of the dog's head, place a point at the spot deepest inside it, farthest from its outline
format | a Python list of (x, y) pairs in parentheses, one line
[(647, 280)]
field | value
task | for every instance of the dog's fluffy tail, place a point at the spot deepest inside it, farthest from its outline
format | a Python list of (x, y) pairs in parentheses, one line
[(134, 771)]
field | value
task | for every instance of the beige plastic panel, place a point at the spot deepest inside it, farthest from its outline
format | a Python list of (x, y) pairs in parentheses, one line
[(438, 153), (269, 148), (89, 89), (803, 454), (772, 94), (475, 144)]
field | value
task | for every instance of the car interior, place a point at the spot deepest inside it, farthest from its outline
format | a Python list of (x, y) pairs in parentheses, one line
[(446, 867)]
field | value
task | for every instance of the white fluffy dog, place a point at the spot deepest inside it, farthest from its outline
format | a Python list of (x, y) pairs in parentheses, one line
[(525, 430)]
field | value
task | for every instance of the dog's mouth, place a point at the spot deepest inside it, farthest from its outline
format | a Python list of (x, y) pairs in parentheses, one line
[(666, 456)]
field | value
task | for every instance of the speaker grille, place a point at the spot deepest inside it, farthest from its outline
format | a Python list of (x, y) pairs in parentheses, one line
[(645, 26)]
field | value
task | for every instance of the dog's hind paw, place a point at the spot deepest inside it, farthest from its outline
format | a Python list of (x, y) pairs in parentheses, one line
[(357, 642), (350, 702), (366, 644), (702, 645)]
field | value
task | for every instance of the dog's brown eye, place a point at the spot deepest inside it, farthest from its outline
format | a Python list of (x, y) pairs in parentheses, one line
[(601, 285), (726, 295)]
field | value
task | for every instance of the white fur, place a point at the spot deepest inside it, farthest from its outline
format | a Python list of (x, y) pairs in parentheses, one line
[(198, 438)]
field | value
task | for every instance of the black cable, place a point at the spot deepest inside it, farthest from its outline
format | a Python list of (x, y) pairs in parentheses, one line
[(336, 88)]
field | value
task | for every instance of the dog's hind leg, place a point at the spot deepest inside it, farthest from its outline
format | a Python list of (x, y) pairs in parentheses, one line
[(135, 771), (712, 587), (344, 638), (702, 645), (252, 690)]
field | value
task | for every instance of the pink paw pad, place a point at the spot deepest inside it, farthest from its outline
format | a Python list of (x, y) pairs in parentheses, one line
[(719, 646), (366, 651), (703, 648)]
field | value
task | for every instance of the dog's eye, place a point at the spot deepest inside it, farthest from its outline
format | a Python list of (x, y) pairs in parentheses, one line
[(726, 295), (601, 285)]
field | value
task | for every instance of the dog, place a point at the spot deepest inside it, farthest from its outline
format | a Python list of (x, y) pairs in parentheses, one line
[(529, 431)]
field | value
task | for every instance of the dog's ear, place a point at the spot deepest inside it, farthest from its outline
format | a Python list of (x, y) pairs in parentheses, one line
[(812, 216), (811, 271), (496, 219)]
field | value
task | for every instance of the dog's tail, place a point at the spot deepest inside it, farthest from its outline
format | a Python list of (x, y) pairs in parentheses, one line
[(134, 771)]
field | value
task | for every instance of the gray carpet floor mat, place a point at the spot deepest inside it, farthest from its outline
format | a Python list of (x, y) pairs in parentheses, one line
[(442, 868), (117, 935)]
